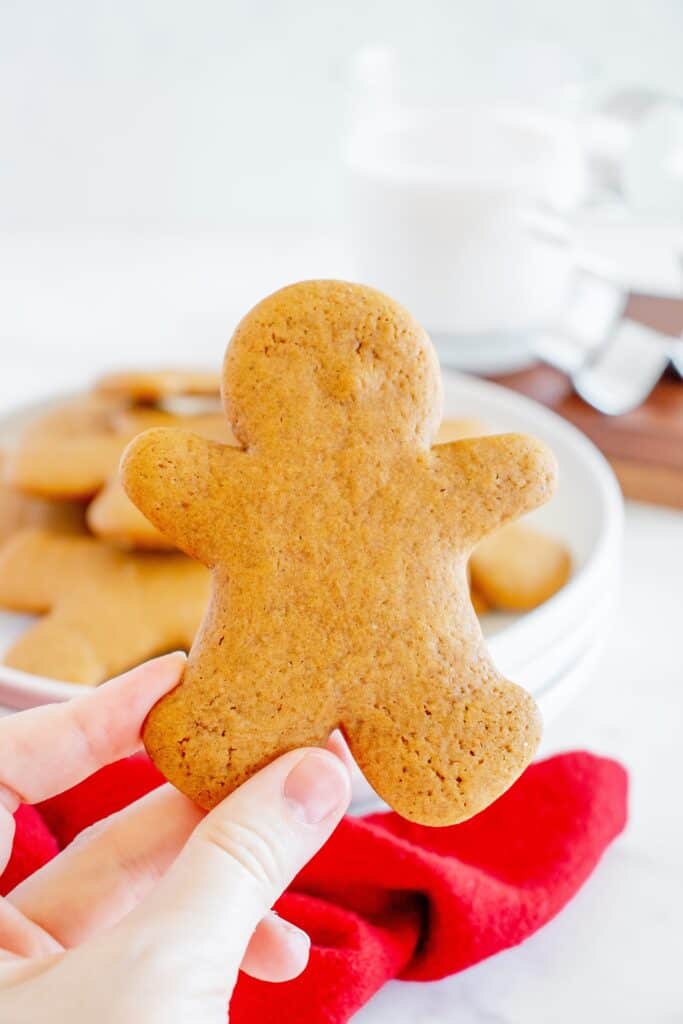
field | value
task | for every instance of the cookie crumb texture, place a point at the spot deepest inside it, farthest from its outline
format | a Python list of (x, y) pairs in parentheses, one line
[(338, 540)]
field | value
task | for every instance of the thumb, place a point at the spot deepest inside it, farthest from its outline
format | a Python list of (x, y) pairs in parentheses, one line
[(237, 862)]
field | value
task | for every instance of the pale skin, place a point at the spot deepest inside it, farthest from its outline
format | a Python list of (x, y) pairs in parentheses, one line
[(150, 914)]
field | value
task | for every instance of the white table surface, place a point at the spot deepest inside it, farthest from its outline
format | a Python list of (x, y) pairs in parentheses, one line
[(613, 955)]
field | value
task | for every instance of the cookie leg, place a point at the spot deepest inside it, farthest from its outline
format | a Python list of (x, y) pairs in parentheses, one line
[(444, 755), (212, 732)]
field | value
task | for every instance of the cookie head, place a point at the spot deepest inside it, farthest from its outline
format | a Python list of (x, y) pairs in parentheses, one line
[(327, 364)]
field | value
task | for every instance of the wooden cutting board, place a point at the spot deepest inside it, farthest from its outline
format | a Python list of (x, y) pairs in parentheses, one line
[(645, 447)]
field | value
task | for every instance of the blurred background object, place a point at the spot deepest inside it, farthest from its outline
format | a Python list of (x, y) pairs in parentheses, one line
[(161, 170), (455, 179), (490, 204), (501, 167)]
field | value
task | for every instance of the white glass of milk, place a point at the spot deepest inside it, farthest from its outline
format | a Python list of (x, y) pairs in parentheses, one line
[(457, 209)]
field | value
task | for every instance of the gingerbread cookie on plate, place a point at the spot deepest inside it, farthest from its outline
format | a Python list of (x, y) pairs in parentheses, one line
[(102, 610), (17, 511), (72, 452), (518, 568), (68, 452)]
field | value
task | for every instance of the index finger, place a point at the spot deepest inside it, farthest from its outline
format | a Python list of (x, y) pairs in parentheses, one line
[(49, 749)]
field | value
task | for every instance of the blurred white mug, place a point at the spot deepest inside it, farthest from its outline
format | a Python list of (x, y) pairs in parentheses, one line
[(447, 206)]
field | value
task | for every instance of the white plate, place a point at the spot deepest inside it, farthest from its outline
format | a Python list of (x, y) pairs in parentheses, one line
[(586, 512)]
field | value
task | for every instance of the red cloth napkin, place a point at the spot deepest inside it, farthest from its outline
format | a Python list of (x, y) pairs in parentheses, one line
[(388, 899)]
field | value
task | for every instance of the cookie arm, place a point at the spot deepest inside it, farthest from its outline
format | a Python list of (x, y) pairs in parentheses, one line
[(489, 481), (113, 517), (179, 480)]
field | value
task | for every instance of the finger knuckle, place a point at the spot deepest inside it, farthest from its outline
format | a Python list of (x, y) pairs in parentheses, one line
[(256, 849)]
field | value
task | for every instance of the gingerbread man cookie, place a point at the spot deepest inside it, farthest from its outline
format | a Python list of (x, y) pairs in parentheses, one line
[(72, 453), (338, 541), (102, 610)]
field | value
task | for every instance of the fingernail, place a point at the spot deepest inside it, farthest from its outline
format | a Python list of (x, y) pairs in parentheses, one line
[(164, 659), (315, 787), (296, 936)]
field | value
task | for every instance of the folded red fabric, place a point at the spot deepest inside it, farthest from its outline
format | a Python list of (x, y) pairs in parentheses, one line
[(386, 898)]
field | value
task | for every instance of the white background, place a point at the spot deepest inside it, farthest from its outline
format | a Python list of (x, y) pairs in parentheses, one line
[(164, 163), (216, 114)]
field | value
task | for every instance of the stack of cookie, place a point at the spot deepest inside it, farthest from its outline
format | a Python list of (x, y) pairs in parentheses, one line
[(109, 588)]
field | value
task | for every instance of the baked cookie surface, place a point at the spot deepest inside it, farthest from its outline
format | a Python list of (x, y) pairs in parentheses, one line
[(338, 540), (101, 610), (71, 454), (68, 452), (18, 511), (519, 567)]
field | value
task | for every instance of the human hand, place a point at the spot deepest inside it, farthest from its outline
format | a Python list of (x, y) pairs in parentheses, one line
[(149, 914)]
